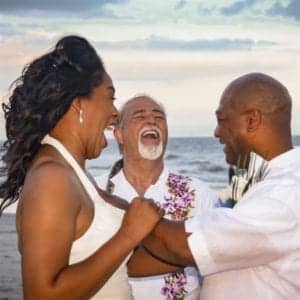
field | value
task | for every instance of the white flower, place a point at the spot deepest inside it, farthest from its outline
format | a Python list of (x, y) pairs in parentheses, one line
[(234, 190), (239, 186), (244, 179), (225, 194)]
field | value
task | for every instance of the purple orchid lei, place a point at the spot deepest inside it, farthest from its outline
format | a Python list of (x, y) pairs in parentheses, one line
[(174, 286), (180, 201), (177, 205)]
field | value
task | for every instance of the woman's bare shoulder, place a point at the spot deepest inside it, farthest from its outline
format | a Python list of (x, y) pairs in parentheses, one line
[(50, 183)]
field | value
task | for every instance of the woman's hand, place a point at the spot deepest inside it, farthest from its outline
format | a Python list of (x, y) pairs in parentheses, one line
[(140, 218)]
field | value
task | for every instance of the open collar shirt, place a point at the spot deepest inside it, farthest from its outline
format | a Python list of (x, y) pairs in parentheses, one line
[(149, 288)]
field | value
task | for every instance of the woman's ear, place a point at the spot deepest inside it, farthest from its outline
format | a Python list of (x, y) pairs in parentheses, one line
[(77, 107), (76, 104)]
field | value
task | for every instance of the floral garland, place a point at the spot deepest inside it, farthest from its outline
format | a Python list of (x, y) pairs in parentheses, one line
[(180, 201), (174, 286), (177, 205)]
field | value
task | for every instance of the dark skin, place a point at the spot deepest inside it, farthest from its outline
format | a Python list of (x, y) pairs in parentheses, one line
[(157, 247), (253, 115), (54, 210)]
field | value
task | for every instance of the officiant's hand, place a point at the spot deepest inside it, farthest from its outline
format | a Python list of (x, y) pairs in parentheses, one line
[(140, 218)]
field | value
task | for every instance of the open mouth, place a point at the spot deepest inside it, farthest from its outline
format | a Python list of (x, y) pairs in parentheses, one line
[(111, 125), (150, 136)]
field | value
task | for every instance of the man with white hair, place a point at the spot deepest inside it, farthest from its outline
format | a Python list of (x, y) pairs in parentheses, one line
[(142, 135)]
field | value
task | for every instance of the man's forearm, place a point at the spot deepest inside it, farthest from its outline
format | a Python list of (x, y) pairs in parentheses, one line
[(168, 241)]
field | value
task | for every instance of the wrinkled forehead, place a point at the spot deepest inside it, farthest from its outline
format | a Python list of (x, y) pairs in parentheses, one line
[(141, 106)]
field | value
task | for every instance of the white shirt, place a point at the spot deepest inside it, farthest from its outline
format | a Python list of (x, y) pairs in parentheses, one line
[(253, 250), (144, 288)]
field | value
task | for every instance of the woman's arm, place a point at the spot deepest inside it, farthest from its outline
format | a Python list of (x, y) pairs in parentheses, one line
[(167, 242), (48, 227)]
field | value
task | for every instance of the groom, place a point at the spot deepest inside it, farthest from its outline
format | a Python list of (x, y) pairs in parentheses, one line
[(251, 251)]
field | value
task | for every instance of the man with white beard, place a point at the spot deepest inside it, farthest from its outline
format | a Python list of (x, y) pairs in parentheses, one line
[(142, 135)]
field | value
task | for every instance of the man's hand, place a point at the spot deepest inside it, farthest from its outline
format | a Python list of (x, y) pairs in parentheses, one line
[(168, 242)]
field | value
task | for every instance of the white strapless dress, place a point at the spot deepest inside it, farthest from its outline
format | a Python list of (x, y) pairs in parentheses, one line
[(106, 222)]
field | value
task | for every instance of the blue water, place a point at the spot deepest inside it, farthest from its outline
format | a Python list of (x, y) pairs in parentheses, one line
[(200, 157)]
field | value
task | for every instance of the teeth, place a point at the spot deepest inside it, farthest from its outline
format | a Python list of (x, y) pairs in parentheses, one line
[(155, 133), (110, 127)]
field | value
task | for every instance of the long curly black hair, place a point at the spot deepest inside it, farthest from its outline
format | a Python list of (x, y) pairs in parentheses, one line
[(40, 97)]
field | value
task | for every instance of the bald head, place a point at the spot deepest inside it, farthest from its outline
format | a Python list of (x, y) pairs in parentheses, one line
[(257, 91), (254, 114)]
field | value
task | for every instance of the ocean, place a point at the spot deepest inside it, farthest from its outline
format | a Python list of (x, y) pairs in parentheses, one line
[(200, 157)]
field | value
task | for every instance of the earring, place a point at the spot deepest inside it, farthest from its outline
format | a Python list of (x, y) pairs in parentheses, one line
[(80, 116)]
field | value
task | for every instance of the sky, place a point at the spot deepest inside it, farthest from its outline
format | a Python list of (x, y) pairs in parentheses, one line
[(183, 53)]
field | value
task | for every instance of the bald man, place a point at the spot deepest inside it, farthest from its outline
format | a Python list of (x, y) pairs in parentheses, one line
[(253, 250)]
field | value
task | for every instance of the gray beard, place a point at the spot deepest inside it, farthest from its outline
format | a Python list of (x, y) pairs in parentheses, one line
[(150, 152)]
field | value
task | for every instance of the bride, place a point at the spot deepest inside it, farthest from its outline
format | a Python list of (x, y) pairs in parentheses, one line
[(55, 120)]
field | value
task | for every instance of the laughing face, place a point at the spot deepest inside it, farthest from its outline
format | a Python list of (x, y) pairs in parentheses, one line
[(99, 113), (143, 130), (231, 130)]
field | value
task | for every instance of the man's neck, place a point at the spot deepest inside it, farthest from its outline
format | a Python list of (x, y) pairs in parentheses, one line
[(142, 173), (269, 153)]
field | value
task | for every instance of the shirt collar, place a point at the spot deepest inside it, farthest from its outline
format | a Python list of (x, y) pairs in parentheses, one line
[(286, 158), (120, 177)]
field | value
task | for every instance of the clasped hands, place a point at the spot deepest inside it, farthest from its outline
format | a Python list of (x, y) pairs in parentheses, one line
[(141, 215)]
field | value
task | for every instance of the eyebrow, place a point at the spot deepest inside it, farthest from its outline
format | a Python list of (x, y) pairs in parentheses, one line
[(138, 112), (156, 110)]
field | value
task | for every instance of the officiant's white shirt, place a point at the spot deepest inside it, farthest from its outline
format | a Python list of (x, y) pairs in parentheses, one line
[(149, 288), (253, 250)]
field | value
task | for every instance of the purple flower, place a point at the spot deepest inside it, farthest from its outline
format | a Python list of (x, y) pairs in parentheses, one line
[(174, 286), (181, 198)]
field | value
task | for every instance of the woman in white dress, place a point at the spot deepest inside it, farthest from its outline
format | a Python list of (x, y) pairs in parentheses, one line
[(70, 247)]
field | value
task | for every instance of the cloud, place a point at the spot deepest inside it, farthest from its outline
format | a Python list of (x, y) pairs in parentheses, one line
[(238, 7), (7, 30), (62, 5), (292, 10), (19, 29), (180, 4), (161, 43)]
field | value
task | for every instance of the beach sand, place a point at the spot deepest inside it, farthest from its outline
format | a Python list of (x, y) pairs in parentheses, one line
[(10, 271)]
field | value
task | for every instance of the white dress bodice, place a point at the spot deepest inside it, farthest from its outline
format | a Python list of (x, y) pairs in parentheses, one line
[(106, 222)]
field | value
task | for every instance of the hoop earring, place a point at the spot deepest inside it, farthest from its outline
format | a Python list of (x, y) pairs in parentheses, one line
[(80, 116)]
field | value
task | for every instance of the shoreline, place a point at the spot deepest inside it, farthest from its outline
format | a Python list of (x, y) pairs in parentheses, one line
[(10, 269)]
